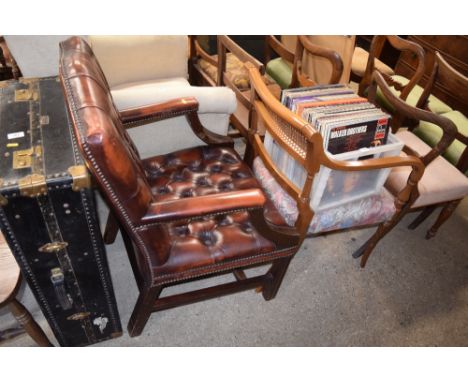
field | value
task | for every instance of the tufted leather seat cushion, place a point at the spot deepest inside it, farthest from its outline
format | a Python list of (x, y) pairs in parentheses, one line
[(226, 241), (193, 246)]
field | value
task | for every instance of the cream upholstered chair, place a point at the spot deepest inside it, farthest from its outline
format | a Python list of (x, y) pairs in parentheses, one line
[(153, 69), (139, 70), (319, 69)]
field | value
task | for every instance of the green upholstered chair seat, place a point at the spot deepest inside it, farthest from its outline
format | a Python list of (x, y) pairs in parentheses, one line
[(431, 134), (281, 71), (434, 104)]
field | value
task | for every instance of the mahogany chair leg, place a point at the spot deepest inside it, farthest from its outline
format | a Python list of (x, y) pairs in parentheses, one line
[(28, 323), (142, 310), (446, 212), (365, 250), (112, 228), (277, 272), (426, 212), (249, 154)]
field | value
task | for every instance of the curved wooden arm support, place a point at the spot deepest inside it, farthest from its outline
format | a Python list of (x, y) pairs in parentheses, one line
[(303, 43), (272, 43), (206, 135), (448, 127), (203, 205), (196, 51), (187, 106)]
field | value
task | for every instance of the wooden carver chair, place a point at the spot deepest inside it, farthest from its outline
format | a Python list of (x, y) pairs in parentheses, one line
[(186, 215), (456, 152), (229, 70), (442, 183), (287, 70), (401, 87), (303, 46), (202, 65), (240, 83), (279, 68), (10, 281), (303, 143)]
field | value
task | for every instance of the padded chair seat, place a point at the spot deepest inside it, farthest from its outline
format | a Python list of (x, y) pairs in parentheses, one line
[(281, 71), (235, 72), (201, 244), (431, 134), (370, 210), (441, 181), (434, 104), (359, 63)]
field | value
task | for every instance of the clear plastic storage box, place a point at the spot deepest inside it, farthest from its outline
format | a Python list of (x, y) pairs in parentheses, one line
[(332, 188)]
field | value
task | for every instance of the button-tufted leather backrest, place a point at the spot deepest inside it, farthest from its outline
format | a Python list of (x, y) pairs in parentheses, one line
[(107, 148)]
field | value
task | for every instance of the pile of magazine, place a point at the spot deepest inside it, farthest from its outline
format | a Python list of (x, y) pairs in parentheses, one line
[(352, 129)]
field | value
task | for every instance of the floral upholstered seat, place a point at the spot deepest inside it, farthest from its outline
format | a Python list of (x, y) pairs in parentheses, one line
[(373, 209)]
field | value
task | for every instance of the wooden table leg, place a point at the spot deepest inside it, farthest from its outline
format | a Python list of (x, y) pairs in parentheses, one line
[(27, 322)]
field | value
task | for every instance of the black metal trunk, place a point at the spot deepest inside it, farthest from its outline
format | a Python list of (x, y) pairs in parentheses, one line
[(48, 214)]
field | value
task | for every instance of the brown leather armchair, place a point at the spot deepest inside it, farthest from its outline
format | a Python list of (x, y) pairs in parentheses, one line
[(190, 214)]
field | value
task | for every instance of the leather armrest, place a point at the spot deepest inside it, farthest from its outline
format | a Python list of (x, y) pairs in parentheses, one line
[(203, 205), (152, 113)]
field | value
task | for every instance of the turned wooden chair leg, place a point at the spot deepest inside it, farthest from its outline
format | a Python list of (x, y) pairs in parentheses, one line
[(426, 212), (28, 323), (277, 272), (142, 310), (112, 228), (446, 212)]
